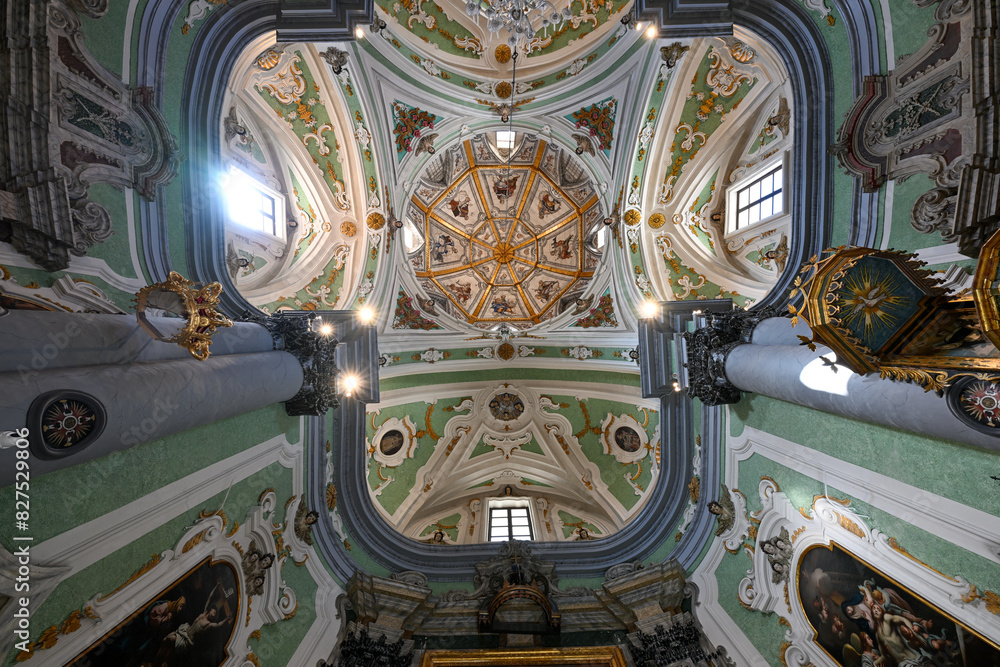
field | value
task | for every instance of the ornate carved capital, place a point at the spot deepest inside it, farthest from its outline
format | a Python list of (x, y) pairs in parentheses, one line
[(317, 355), (708, 347)]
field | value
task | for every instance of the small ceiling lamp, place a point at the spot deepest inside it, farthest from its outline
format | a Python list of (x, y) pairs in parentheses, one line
[(349, 383), (650, 309), (366, 314)]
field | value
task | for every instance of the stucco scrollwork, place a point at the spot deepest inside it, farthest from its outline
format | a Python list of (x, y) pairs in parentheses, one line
[(795, 539)]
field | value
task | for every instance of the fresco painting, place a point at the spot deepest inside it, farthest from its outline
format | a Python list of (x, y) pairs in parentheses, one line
[(864, 619), (187, 624)]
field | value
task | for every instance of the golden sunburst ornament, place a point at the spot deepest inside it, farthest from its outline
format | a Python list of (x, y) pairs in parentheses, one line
[(869, 301)]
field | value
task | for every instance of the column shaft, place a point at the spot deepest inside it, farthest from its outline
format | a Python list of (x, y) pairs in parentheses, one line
[(35, 341), (797, 375), (779, 331), (148, 401)]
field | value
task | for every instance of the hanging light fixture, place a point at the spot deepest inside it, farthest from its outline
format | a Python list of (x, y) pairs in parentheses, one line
[(518, 17), (511, 137)]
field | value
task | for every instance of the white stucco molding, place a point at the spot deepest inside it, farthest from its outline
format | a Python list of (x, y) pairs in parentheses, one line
[(964, 526), (833, 521)]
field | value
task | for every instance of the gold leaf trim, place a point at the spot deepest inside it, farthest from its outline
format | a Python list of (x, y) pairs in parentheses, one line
[(143, 569), (427, 422), (896, 546), (194, 541)]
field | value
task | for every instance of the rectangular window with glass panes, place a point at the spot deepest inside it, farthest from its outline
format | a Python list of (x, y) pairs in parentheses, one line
[(509, 523), (760, 199), (251, 205)]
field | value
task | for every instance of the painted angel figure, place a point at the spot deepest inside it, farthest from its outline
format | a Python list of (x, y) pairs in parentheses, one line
[(545, 289), (547, 205), (502, 305), (561, 249), (504, 187), (460, 205), (442, 246), (462, 290)]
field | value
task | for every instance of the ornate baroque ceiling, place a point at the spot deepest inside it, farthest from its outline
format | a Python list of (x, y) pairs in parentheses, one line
[(505, 245), (583, 460), (398, 197)]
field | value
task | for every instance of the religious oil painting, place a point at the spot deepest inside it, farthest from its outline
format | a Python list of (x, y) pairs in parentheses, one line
[(187, 624), (863, 618)]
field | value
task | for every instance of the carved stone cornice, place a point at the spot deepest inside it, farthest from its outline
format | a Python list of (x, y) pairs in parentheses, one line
[(708, 347), (315, 352)]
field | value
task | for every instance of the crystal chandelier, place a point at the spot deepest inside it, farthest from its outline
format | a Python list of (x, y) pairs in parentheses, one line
[(519, 17)]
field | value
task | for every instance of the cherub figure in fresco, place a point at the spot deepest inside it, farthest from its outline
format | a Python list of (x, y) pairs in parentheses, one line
[(546, 289), (724, 511), (460, 205), (547, 205), (482, 154), (502, 305), (561, 249), (442, 246), (462, 290), (504, 188), (893, 635), (304, 520)]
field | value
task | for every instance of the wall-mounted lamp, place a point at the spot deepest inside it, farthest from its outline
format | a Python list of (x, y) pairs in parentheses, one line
[(348, 384)]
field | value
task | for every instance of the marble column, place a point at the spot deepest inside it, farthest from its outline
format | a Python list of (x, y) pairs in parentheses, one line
[(32, 341), (798, 375), (779, 331), (148, 401), (131, 388), (736, 351)]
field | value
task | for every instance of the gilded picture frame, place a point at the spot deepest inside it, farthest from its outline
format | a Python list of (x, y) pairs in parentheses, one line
[(589, 656)]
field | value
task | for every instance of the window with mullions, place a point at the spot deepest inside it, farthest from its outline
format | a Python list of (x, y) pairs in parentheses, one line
[(250, 206), (509, 523), (759, 200)]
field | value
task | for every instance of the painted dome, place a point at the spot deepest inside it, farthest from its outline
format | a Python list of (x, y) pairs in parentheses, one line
[(505, 242)]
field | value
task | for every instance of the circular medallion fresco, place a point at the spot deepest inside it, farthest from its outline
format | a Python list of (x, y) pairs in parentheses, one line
[(627, 439), (977, 403), (506, 407), (391, 442), (505, 245)]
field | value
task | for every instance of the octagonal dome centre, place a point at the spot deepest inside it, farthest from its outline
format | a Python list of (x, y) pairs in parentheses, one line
[(507, 238)]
